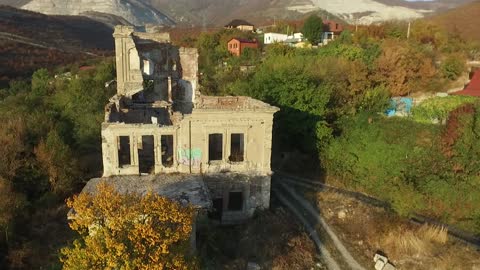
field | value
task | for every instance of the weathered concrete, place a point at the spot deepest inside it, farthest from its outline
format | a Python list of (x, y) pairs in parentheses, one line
[(255, 190), (226, 139), (382, 263), (185, 189)]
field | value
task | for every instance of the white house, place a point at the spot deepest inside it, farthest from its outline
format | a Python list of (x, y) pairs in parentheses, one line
[(270, 38), (296, 36)]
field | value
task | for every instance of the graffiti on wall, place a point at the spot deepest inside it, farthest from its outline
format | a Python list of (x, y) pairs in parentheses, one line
[(185, 155)]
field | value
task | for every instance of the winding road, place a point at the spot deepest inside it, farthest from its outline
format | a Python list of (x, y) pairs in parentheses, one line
[(315, 225)]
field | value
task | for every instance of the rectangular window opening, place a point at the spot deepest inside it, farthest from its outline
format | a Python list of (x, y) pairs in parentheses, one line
[(237, 148), (215, 147), (235, 201), (167, 150), (124, 157), (146, 155)]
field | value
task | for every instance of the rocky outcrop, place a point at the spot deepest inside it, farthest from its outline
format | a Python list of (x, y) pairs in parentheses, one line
[(134, 11)]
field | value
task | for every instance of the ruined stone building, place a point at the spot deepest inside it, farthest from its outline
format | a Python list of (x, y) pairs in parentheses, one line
[(158, 127)]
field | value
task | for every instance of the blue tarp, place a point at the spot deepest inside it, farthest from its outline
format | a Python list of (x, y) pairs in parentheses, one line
[(399, 105)]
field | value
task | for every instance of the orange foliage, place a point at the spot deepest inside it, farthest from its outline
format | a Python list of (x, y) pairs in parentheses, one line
[(403, 69), (58, 163)]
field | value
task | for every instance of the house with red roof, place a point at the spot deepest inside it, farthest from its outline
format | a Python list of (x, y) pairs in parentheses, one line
[(331, 29), (83, 68), (473, 88), (237, 45)]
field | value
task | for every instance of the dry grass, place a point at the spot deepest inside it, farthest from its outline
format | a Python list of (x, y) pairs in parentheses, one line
[(463, 20), (405, 241), (369, 229), (433, 233)]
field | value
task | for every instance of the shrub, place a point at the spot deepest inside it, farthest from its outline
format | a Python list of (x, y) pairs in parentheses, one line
[(438, 108), (453, 66), (313, 29)]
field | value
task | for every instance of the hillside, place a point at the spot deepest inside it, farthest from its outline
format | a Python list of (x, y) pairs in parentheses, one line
[(219, 12), (14, 3), (29, 41), (134, 11), (464, 20)]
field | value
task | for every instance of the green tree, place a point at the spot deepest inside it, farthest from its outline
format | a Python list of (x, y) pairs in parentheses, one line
[(128, 231), (289, 83), (80, 102), (453, 66), (41, 83), (313, 28)]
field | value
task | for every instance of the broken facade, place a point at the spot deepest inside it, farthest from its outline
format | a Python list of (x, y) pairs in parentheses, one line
[(159, 123)]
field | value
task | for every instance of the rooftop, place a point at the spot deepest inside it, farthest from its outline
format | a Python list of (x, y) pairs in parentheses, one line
[(244, 40), (231, 103), (183, 188), (473, 88), (332, 26), (238, 22)]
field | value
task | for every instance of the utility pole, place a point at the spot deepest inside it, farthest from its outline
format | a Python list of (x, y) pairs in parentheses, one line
[(408, 31)]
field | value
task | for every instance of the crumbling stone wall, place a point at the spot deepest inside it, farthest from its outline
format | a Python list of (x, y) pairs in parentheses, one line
[(158, 123), (255, 190), (191, 142), (148, 57), (129, 75)]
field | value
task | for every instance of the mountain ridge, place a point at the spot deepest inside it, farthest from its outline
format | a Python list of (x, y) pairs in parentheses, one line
[(219, 12), (215, 13), (134, 11)]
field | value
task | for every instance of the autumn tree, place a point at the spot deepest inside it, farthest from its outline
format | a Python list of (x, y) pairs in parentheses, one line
[(313, 28), (128, 231), (405, 69), (10, 203), (57, 162), (12, 136)]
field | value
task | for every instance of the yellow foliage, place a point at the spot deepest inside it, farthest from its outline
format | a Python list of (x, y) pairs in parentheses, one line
[(128, 231)]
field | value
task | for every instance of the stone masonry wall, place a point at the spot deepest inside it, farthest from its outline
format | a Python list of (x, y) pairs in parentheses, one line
[(255, 189)]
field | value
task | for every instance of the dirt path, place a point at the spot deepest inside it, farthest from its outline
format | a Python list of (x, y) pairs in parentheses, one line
[(303, 205), (326, 255), (352, 263)]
